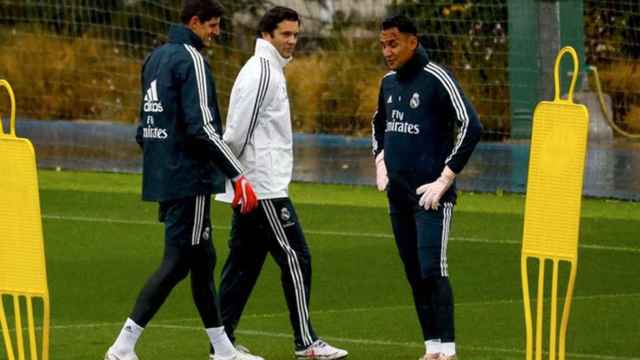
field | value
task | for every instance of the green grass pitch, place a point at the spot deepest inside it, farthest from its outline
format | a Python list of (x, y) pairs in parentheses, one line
[(102, 242)]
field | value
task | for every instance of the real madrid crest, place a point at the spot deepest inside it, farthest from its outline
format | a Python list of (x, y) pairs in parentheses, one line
[(415, 100), (284, 214)]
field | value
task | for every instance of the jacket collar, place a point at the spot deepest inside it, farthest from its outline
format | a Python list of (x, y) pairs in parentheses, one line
[(180, 34), (419, 60), (266, 50)]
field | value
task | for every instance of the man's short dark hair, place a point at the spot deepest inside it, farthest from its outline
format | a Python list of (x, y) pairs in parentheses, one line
[(275, 16), (205, 10), (402, 22)]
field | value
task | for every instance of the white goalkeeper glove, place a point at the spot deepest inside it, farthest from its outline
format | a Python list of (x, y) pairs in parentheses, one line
[(432, 192), (381, 172)]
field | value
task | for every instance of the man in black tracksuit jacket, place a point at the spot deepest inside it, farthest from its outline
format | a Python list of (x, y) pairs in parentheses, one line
[(418, 155), (185, 161)]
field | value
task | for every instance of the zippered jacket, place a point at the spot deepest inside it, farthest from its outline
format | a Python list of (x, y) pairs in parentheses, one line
[(179, 129), (258, 127), (423, 122)]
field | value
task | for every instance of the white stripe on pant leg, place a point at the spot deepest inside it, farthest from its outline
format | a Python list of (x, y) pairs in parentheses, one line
[(293, 267), (446, 221), (272, 218), (294, 263), (201, 218), (446, 242), (442, 236), (446, 247), (203, 202), (197, 220), (443, 240), (295, 271)]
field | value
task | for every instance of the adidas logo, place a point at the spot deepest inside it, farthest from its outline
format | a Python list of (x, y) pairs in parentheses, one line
[(390, 99), (151, 101)]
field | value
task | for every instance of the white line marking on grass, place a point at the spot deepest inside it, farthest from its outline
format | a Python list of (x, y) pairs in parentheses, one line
[(99, 220), (411, 307), (369, 341), (347, 340), (82, 326), (474, 240), (340, 233)]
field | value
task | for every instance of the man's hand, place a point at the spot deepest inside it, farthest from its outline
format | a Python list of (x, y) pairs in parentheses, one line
[(432, 192), (244, 195), (381, 172)]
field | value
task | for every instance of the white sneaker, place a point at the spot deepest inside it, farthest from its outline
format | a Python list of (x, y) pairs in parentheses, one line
[(111, 355), (242, 353), (430, 356), (321, 350), (445, 357), (242, 349)]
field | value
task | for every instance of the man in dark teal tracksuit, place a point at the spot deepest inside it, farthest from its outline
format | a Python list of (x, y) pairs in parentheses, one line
[(418, 155), (185, 161)]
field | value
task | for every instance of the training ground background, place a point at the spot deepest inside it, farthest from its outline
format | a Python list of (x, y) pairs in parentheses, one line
[(102, 242)]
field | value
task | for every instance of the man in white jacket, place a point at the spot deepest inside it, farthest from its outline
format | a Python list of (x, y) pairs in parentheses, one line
[(259, 134)]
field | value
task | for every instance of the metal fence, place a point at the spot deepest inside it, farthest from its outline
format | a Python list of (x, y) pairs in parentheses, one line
[(612, 170), (80, 60)]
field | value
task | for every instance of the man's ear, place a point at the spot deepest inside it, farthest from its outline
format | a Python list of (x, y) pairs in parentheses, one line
[(194, 21), (413, 42)]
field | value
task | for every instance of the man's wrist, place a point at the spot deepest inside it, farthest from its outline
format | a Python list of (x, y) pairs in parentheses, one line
[(447, 175), (444, 181), (380, 157)]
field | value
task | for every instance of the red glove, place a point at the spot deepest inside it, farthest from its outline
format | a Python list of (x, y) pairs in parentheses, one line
[(244, 196)]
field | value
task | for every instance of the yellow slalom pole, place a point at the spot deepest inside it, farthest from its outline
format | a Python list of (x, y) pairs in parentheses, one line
[(554, 311), (574, 78), (567, 308), (527, 307), (32, 329), (556, 171), (18, 318), (25, 276), (12, 119), (540, 310), (5, 331), (46, 322)]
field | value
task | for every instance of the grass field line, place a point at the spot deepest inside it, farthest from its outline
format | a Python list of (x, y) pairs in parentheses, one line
[(159, 324), (358, 341), (338, 233), (410, 307), (458, 304)]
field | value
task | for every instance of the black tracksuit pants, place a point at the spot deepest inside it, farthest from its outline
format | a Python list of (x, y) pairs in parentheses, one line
[(272, 228), (188, 249), (421, 237)]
